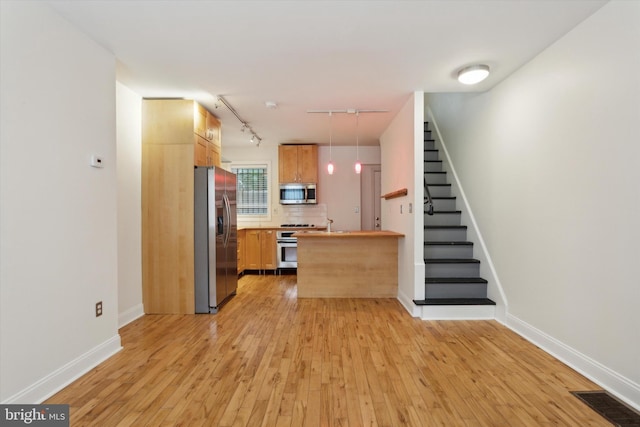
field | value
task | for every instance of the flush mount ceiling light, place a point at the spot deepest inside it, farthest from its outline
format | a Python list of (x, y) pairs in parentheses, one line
[(473, 74)]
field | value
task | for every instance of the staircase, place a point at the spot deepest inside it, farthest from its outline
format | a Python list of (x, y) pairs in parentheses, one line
[(453, 286)]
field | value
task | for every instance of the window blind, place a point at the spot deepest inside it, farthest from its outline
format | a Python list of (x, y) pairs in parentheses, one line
[(252, 190)]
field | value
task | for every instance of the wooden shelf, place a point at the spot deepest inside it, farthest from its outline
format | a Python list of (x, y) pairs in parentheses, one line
[(398, 193)]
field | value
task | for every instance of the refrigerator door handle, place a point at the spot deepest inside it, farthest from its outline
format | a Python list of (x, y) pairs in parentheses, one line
[(227, 210)]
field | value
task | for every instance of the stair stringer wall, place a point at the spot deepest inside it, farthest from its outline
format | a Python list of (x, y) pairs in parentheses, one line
[(480, 251)]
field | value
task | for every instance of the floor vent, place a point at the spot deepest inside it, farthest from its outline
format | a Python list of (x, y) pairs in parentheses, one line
[(610, 408)]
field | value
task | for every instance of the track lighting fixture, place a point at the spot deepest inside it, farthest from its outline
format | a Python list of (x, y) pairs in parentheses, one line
[(245, 125)]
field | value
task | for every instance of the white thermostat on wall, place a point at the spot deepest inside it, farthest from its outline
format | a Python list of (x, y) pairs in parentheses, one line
[(96, 161)]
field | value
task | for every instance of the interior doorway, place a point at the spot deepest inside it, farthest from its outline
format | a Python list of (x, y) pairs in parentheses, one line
[(370, 192)]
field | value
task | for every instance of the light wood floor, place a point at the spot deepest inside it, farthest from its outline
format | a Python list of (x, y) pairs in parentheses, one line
[(270, 359)]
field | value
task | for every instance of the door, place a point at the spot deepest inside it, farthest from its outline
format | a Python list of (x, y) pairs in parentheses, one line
[(217, 255), (232, 238), (370, 192)]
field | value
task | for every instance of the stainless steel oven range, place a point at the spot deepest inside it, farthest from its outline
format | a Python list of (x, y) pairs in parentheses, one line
[(287, 249)]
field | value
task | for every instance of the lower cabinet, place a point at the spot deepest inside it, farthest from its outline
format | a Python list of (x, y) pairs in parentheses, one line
[(260, 250), (241, 246)]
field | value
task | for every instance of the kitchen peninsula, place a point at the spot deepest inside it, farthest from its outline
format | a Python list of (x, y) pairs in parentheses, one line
[(347, 264)]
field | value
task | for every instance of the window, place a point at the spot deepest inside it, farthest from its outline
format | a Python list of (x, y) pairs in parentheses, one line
[(252, 189)]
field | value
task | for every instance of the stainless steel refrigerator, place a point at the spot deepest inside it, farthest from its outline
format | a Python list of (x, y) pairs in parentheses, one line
[(216, 238)]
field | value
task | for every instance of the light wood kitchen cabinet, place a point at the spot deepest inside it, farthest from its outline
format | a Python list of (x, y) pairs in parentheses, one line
[(241, 246), (172, 142), (260, 250), (298, 163), (213, 129), (199, 120), (206, 152)]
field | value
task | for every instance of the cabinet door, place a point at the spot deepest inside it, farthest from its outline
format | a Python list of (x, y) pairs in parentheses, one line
[(213, 129), (268, 249), (200, 153), (213, 155), (288, 163), (252, 250), (308, 163), (241, 244), (199, 120)]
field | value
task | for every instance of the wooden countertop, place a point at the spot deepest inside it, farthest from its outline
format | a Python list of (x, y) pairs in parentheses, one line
[(346, 234), (266, 227)]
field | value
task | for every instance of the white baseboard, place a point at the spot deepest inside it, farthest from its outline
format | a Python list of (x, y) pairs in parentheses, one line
[(62, 377), (408, 304), (130, 315), (622, 387)]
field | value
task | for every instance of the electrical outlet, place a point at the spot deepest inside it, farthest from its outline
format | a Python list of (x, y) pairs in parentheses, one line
[(99, 309)]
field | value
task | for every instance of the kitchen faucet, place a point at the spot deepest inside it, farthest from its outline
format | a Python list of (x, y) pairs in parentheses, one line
[(329, 222)]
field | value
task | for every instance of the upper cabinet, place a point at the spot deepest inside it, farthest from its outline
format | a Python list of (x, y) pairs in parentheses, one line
[(212, 129), (182, 121), (199, 120), (298, 163)]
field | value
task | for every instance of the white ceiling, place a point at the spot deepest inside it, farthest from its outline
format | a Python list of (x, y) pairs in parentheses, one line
[(317, 55)]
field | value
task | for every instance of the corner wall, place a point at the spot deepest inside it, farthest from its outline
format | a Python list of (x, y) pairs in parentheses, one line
[(401, 150), (58, 232), (549, 162), (129, 172)]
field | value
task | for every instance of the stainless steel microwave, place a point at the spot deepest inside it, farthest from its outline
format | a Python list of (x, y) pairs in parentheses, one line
[(298, 194)]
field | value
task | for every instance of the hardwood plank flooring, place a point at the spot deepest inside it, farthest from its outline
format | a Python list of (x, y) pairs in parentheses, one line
[(271, 359)]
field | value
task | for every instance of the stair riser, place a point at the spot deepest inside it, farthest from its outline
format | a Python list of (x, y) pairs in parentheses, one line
[(448, 251), (456, 290), (452, 270), (439, 191), (435, 178), (445, 235), (429, 145), (435, 166), (427, 134), (442, 219), (431, 155), (444, 204)]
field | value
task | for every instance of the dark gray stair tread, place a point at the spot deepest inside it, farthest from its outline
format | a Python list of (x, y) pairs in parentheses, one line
[(430, 243), (431, 149), (438, 185), (454, 301), (438, 172), (478, 280), (442, 227), (451, 261), (447, 212)]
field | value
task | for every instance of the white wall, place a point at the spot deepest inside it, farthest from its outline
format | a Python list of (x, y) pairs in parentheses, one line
[(129, 158), (341, 191), (402, 167), (58, 248), (549, 162)]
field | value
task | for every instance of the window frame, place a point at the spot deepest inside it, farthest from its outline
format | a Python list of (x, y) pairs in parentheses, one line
[(253, 164)]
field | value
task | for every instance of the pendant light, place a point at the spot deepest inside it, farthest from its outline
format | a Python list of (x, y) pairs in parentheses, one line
[(358, 165), (330, 165)]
